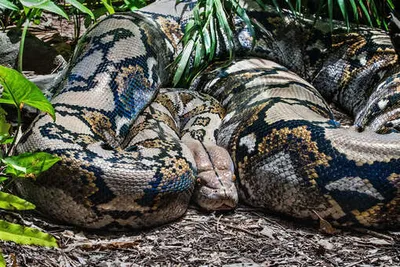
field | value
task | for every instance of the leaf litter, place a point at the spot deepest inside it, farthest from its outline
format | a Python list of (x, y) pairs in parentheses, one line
[(245, 237)]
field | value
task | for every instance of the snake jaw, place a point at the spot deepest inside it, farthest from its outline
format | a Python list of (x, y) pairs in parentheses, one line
[(216, 190)]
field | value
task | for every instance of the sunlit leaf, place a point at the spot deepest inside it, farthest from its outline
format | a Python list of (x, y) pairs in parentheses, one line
[(29, 164), (135, 4), (2, 260), (25, 235), (8, 5), (47, 5), (4, 128), (19, 91), (78, 5), (184, 60), (110, 8), (12, 202)]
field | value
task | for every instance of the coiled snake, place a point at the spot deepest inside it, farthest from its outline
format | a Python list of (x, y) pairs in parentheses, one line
[(130, 164)]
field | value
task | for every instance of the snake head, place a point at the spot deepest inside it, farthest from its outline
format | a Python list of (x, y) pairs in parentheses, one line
[(215, 188)]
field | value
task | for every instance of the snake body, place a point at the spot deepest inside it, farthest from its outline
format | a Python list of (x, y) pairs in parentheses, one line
[(130, 164)]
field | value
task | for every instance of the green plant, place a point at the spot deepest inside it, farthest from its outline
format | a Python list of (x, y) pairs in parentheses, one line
[(18, 91), (200, 36), (199, 40), (371, 12), (31, 10), (108, 7)]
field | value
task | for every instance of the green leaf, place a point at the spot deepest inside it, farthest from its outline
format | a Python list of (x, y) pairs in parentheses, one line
[(243, 15), (343, 9), (2, 261), (184, 59), (3, 178), (47, 5), (4, 128), (8, 5), (199, 54), (81, 8), (29, 164), (109, 7), (355, 11), (365, 11), (213, 47), (25, 235), (330, 11), (19, 91), (12, 202)]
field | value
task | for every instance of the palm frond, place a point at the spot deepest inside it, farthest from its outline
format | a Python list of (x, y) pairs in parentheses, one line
[(200, 37)]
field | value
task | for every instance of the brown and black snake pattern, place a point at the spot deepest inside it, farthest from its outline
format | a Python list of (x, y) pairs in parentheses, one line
[(127, 163)]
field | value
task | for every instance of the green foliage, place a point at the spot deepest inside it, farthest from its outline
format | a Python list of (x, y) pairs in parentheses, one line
[(4, 129), (28, 164), (5, 4), (25, 11), (210, 15), (25, 235), (11, 202), (18, 91), (200, 36), (371, 12)]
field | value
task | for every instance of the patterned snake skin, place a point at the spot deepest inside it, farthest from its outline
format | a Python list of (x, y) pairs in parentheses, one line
[(133, 155)]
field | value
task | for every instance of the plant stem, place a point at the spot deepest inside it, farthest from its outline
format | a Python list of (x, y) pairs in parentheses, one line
[(19, 118), (22, 44)]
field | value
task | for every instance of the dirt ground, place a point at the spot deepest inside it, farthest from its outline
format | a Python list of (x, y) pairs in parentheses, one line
[(246, 237)]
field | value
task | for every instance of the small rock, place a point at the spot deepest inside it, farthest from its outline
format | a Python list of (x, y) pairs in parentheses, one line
[(325, 244)]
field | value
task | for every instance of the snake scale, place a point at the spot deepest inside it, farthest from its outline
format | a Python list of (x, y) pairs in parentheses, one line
[(133, 155)]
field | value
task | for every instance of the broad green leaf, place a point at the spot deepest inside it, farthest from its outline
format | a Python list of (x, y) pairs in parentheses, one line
[(4, 127), (25, 235), (19, 91), (32, 3), (2, 260), (6, 139), (29, 164), (47, 5), (8, 5), (78, 5), (135, 4), (11, 202), (3, 178)]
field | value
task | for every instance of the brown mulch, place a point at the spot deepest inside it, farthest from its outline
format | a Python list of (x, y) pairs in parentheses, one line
[(246, 237)]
